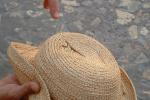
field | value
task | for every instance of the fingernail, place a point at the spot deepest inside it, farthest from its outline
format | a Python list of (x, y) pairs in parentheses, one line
[(56, 15)]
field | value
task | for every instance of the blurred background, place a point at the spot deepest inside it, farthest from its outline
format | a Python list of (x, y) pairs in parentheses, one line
[(123, 26)]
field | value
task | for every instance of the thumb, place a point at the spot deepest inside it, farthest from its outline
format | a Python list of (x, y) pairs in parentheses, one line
[(27, 89)]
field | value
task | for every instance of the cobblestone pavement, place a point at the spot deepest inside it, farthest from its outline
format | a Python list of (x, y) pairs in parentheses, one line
[(122, 25)]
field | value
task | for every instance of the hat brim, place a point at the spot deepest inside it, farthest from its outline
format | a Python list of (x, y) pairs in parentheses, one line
[(129, 92), (22, 57)]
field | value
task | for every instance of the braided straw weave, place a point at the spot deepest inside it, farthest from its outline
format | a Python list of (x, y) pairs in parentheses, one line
[(71, 66)]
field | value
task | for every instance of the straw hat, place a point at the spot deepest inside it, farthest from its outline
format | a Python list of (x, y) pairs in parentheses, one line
[(71, 66)]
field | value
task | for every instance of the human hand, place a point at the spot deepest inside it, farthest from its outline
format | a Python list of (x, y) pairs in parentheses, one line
[(10, 89), (52, 6)]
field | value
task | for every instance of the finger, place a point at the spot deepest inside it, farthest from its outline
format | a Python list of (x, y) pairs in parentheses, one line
[(7, 92), (10, 79), (54, 9), (27, 88), (46, 4)]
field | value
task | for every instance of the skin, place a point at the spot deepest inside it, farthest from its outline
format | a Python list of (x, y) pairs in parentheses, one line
[(10, 89), (52, 6)]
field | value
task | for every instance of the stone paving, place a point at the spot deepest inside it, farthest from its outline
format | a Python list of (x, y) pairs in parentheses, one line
[(122, 25)]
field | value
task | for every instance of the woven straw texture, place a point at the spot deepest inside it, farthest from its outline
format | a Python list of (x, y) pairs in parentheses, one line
[(71, 66)]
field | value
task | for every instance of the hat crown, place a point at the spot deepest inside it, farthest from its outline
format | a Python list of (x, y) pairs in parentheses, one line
[(76, 66)]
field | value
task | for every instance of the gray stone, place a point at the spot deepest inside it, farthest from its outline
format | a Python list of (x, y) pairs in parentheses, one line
[(89, 33), (87, 3), (146, 5), (137, 20), (146, 75), (70, 2), (142, 58), (124, 17), (3, 57), (144, 31), (29, 42), (13, 3), (68, 9), (131, 5), (16, 14), (32, 13), (17, 29), (0, 18), (146, 93), (143, 42), (133, 31), (78, 24), (147, 24), (145, 17), (96, 21), (112, 1), (102, 10), (123, 59), (99, 2)]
